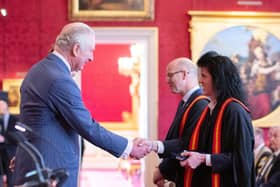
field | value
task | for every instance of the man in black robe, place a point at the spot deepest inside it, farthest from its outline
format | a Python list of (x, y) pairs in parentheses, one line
[(182, 80)]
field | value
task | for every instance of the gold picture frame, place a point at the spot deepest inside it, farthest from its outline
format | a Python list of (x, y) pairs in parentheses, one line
[(12, 86), (206, 25), (108, 10)]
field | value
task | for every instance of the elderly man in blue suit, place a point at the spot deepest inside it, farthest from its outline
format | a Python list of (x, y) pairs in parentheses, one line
[(52, 106)]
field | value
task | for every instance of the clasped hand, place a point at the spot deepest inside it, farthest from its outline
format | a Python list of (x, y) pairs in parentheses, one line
[(140, 148), (194, 159)]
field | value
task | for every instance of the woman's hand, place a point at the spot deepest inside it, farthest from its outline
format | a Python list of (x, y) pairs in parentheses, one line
[(194, 159)]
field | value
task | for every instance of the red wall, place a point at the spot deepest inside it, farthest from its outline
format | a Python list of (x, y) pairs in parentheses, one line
[(104, 90), (232, 5), (29, 30)]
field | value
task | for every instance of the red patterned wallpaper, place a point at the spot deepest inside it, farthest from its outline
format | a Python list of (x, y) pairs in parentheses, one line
[(30, 28)]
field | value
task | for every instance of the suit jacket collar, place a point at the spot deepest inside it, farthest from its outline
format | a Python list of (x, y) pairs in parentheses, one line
[(63, 59), (189, 93), (174, 128), (52, 57), (194, 95)]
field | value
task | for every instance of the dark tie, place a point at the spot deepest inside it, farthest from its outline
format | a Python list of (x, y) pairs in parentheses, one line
[(180, 108), (1, 125), (181, 105), (174, 129)]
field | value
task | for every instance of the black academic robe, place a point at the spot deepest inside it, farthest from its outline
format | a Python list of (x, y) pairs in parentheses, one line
[(170, 168), (273, 179), (235, 163)]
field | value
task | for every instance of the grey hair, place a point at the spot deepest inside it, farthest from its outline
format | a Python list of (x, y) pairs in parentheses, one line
[(72, 34)]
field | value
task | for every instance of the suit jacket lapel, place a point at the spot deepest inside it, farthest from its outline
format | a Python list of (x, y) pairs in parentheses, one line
[(174, 128)]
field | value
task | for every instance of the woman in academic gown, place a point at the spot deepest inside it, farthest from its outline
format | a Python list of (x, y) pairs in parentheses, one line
[(226, 141)]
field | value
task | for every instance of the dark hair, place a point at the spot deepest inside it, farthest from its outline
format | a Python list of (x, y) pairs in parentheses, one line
[(225, 76)]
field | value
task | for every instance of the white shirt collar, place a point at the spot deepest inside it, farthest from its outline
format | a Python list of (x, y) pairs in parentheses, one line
[(276, 153), (258, 148), (5, 120), (189, 93), (63, 59)]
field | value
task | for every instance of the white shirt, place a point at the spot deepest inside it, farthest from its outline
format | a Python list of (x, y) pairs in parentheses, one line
[(276, 153), (6, 120), (257, 150), (189, 93)]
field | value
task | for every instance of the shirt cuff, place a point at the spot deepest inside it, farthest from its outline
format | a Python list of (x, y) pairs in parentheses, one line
[(208, 160), (160, 147), (127, 150)]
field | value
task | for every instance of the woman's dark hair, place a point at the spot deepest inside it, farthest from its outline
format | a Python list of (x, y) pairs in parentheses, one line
[(225, 76)]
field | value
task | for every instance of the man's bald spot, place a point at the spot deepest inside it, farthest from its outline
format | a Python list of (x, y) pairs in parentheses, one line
[(184, 64)]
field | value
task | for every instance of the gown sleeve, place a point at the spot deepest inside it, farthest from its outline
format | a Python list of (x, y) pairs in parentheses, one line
[(237, 146)]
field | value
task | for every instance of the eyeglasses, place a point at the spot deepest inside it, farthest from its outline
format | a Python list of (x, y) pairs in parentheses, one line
[(170, 75)]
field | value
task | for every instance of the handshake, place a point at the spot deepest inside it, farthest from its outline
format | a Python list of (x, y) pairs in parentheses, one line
[(142, 147)]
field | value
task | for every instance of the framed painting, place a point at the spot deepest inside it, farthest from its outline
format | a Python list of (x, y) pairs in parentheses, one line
[(111, 10), (252, 41), (12, 87)]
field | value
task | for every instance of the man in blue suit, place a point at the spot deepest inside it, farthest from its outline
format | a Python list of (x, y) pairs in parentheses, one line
[(52, 106)]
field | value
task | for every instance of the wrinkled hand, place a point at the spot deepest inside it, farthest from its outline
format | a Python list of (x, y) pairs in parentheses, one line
[(194, 159), (12, 164), (158, 178), (152, 145), (139, 149)]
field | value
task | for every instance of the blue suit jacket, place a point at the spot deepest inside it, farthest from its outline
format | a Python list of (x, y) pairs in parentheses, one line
[(52, 106)]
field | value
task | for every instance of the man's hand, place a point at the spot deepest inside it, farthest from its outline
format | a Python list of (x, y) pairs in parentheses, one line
[(2, 139), (158, 178), (12, 164), (139, 149), (194, 159), (152, 145)]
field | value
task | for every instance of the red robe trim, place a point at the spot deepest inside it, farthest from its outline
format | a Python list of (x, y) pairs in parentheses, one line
[(195, 135), (216, 147)]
